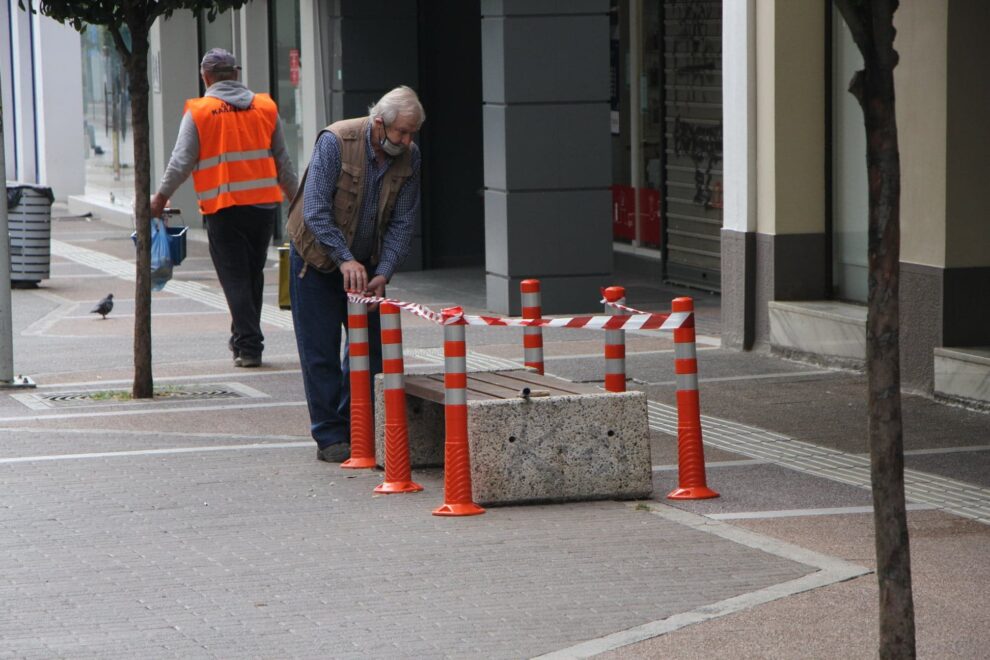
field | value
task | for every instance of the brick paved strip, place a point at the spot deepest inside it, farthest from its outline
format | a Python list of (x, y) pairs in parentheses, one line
[(831, 570)]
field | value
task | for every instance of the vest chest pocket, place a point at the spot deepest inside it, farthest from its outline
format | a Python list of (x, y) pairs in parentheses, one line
[(345, 200), (393, 194)]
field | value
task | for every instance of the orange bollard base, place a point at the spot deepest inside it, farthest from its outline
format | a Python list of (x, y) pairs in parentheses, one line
[(469, 509), (392, 487), (358, 463), (694, 493)]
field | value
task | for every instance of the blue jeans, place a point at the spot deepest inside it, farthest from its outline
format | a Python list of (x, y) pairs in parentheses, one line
[(319, 311)]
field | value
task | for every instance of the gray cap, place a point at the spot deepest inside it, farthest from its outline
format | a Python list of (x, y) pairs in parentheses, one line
[(218, 60)]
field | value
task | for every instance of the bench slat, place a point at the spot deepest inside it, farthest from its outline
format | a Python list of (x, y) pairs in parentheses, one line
[(514, 381), (431, 388), (425, 387), (495, 385), (552, 382)]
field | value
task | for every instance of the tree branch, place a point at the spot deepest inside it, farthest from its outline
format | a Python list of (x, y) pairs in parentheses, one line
[(118, 41)]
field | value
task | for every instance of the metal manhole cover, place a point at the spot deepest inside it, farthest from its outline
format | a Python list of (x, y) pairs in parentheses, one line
[(113, 397)]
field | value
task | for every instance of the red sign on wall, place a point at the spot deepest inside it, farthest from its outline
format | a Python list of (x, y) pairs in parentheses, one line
[(623, 212), (294, 66)]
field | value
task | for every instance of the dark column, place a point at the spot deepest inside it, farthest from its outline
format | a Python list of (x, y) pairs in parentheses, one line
[(375, 47), (547, 151)]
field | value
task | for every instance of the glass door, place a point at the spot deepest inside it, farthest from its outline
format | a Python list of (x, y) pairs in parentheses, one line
[(849, 186), (107, 119), (286, 76)]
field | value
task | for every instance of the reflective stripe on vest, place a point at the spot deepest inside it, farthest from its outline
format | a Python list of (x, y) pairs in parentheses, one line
[(235, 186), (233, 156)]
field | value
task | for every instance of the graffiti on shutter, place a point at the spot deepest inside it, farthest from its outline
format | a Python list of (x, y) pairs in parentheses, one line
[(693, 142)]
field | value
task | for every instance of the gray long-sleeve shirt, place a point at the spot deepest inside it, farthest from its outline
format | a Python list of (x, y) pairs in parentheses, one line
[(185, 154)]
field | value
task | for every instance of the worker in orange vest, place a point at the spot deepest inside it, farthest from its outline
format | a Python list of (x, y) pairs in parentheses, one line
[(231, 141)]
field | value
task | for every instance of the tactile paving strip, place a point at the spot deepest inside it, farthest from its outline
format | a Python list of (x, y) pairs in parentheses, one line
[(958, 497)]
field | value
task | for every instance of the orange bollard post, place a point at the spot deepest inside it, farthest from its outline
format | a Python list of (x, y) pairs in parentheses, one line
[(532, 335), (398, 476), (362, 415), (457, 495), (690, 451), (615, 344)]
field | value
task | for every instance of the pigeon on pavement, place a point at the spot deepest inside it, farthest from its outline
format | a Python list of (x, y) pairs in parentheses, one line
[(104, 306)]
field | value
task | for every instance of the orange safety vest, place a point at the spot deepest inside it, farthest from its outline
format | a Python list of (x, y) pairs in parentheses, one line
[(235, 167)]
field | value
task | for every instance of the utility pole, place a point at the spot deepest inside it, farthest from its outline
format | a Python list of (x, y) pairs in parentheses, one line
[(7, 378)]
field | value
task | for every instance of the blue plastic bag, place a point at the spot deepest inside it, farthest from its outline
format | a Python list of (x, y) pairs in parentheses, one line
[(161, 256)]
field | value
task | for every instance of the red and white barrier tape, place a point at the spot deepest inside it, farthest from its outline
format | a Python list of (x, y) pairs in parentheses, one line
[(622, 307), (635, 321), (413, 308)]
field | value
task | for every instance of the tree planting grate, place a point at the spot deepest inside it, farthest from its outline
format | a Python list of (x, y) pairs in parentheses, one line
[(113, 397)]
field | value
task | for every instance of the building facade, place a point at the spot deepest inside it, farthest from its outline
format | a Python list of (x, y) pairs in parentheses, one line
[(794, 236)]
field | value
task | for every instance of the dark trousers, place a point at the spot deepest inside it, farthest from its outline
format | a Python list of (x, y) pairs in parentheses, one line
[(239, 239), (319, 311)]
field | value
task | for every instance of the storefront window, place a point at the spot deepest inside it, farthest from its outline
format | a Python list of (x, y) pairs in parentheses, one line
[(286, 76), (637, 145), (849, 189), (107, 119)]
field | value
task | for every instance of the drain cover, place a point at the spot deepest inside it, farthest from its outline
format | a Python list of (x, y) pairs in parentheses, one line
[(111, 397)]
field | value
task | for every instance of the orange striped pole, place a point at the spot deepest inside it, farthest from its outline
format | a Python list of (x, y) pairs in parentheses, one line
[(398, 476), (690, 452), (615, 344), (362, 415), (457, 495), (532, 335)]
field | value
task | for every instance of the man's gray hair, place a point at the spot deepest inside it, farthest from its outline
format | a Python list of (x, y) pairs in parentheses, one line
[(400, 101)]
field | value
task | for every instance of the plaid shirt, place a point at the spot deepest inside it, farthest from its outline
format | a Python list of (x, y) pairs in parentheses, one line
[(321, 185)]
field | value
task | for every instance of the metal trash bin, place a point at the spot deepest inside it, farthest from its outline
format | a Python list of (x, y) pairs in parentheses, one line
[(29, 226)]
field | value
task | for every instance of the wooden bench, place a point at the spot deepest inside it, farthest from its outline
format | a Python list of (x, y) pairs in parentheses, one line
[(487, 385), (533, 438)]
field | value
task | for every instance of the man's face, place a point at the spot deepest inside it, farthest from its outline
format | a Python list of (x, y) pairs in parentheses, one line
[(401, 131)]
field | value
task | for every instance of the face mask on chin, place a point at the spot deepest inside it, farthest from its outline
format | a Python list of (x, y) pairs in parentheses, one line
[(389, 147)]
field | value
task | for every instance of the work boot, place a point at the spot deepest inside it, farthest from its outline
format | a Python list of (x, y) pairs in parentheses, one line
[(336, 453), (247, 361)]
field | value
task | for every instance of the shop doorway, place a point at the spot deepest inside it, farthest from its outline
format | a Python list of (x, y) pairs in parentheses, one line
[(453, 210)]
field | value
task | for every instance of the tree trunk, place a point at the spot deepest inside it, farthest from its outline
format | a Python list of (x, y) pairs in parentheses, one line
[(137, 68), (872, 26)]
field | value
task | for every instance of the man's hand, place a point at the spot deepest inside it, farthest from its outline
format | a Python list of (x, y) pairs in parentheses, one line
[(375, 288), (355, 277), (158, 204)]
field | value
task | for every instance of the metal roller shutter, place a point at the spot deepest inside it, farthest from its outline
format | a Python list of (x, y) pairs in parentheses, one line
[(692, 169)]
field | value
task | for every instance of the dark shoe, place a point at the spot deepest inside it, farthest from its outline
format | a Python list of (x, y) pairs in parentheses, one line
[(337, 453), (247, 361)]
